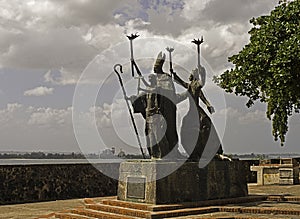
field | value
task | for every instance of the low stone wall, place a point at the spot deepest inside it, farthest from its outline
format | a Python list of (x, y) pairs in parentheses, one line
[(35, 183), (47, 182), (284, 172)]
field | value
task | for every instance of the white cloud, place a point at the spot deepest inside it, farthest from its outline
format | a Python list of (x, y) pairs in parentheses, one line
[(50, 117), (39, 91), (67, 35), (15, 114), (55, 48), (36, 128), (62, 37), (52, 34), (243, 117), (166, 19), (229, 111), (257, 116), (193, 8), (55, 13), (64, 76), (232, 11), (46, 128), (48, 77)]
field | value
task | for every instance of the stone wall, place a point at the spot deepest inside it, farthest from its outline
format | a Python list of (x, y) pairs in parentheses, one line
[(46, 182), (35, 183), (284, 172)]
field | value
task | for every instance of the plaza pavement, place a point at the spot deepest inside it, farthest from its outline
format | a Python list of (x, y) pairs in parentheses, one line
[(35, 210)]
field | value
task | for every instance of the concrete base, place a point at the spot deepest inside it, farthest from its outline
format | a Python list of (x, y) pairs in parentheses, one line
[(141, 181)]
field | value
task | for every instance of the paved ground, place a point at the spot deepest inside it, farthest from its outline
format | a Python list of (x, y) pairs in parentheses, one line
[(33, 210), (22, 211), (293, 190), (274, 190), (232, 215)]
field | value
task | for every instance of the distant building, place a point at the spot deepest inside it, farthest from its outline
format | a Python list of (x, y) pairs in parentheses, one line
[(108, 153), (121, 154)]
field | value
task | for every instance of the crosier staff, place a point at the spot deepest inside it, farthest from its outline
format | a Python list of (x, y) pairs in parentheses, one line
[(129, 109)]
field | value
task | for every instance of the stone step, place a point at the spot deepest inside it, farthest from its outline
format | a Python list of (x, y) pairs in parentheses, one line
[(71, 216), (235, 216), (182, 212), (241, 210), (90, 213), (284, 198), (217, 202), (261, 210), (118, 210), (125, 204)]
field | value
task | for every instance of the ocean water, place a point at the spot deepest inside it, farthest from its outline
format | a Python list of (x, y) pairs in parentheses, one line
[(56, 161)]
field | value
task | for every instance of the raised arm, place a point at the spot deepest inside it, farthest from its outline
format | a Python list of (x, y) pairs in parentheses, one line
[(178, 80)]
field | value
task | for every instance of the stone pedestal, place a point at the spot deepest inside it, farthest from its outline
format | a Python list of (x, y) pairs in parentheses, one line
[(156, 182)]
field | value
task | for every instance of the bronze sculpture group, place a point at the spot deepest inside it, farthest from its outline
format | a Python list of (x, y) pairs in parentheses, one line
[(157, 104)]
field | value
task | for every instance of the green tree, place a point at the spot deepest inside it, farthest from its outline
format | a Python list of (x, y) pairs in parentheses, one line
[(268, 68)]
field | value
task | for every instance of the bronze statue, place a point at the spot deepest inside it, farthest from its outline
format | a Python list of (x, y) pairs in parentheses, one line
[(190, 126), (157, 104), (158, 107)]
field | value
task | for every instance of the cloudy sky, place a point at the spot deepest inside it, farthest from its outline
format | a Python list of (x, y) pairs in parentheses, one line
[(53, 51)]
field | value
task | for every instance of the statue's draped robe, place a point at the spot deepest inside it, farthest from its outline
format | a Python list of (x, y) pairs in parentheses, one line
[(155, 126), (198, 134), (167, 105)]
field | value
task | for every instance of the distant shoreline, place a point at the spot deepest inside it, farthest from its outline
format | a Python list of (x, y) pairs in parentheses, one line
[(55, 161)]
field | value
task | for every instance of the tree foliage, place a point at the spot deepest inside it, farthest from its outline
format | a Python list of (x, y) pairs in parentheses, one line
[(268, 68)]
